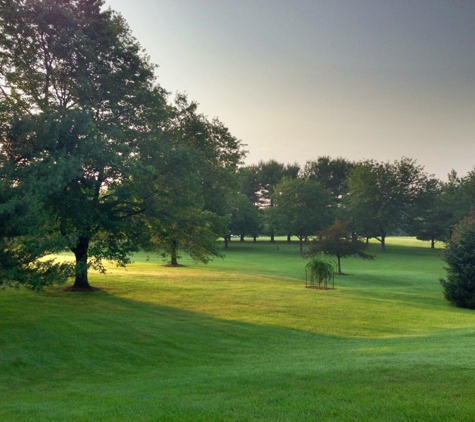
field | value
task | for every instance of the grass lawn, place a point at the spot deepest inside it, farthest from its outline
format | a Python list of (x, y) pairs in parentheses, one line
[(241, 339)]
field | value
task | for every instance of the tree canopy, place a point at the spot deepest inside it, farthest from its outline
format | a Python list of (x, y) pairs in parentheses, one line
[(79, 105)]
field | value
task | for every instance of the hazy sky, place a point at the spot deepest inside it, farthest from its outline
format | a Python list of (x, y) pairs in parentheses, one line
[(297, 79)]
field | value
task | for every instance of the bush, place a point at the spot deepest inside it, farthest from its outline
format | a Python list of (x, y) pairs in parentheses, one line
[(459, 287)]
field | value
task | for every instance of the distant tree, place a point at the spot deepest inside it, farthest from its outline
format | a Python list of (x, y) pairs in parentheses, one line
[(338, 241), (459, 192), (434, 219), (249, 183), (218, 154), (291, 171), (302, 207), (384, 197), (330, 173), (459, 285), (446, 204), (270, 173), (244, 217)]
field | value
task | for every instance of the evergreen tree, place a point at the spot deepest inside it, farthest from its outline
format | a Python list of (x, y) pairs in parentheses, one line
[(459, 285)]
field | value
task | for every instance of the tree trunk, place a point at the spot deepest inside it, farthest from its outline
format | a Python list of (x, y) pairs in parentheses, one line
[(242, 238), (255, 238), (174, 253), (339, 264), (301, 243), (383, 242), (226, 242), (272, 236), (289, 238), (80, 252), (432, 243)]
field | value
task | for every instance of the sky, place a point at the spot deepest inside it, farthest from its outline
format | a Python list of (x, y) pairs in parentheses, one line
[(298, 79)]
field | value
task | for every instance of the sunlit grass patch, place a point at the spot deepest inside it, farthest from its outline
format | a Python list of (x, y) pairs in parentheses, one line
[(242, 339)]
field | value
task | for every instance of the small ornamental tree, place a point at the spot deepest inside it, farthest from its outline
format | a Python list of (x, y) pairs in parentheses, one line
[(320, 271), (338, 241), (459, 285)]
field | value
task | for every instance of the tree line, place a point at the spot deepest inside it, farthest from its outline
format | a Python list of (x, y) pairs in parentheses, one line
[(374, 199), (97, 158)]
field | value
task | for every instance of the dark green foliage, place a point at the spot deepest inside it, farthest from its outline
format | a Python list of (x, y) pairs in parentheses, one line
[(248, 176), (385, 197), (89, 147), (269, 174), (244, 217), (459, 285), (26, 232), (432, 224), (301, 207), (445, 204), (331, 173), (20, 264), (79, 104), (197, 187)]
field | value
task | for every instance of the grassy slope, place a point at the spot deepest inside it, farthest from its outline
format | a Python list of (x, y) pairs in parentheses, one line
[(241, 339)]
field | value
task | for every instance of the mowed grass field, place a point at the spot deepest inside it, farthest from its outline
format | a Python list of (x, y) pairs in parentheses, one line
[(242, 339)]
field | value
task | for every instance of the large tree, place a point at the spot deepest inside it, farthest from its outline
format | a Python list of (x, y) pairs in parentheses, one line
[(205, 186), (78, 94), (172, 218)]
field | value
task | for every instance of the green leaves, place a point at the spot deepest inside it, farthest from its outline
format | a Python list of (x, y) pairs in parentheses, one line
[(78, 103), (320, 271), (302, 207), (337, 240), (384, 197), (459, 286)]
